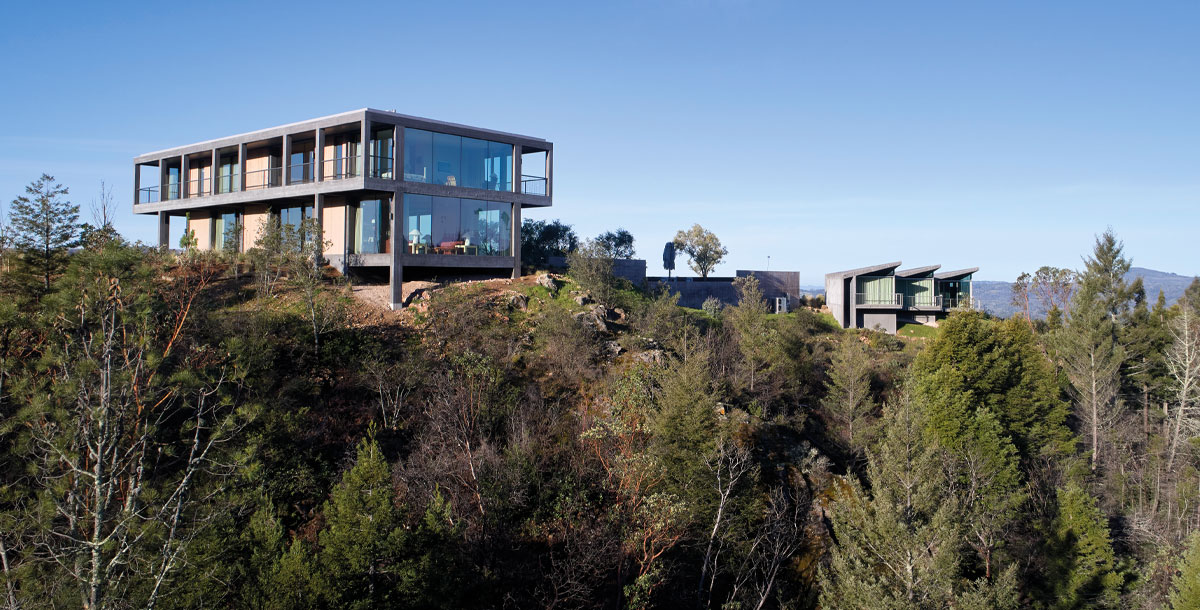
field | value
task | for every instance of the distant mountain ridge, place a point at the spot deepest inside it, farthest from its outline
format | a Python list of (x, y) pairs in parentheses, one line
[(996, 297)]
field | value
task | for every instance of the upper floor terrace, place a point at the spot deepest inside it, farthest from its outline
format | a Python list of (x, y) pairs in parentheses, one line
[(363, 149)]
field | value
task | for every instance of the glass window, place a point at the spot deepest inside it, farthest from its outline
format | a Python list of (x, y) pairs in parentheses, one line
[(418, 223), (445, 225), (499, 167), (227, 178), (474, 158), (370, 228), (499, 229), (381, 153), (447, 150), (294, 217), (227, 232), (418, 155), (472, 225)]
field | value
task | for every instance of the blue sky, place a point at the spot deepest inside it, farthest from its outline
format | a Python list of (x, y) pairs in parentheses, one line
[(824, 135)]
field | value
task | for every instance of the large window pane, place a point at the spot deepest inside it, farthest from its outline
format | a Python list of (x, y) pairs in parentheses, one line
[(499, 228), (447, 151), (472, 225), (369, 227), (381, 153), (474, 155), (418, 155), (445, 225), (499, 167), (418, 223)]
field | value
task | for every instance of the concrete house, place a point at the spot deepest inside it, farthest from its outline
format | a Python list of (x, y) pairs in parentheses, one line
[(390, 191), (882, 296)]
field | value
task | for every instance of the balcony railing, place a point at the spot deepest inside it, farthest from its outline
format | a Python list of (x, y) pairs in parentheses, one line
[(148, 194), (864, 299), (300, 173), (339, 167), (533, 185), (199, 187), (264, 178), (962, 302), (932, 301), (230, 183), (381, 167)]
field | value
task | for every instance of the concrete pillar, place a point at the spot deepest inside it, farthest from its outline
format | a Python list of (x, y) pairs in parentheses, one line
[(397, 282), (137, 183), (184, 187), (550, 172), (364, 145), (164, 230), (212, 171), (347, 239), (518, 186), (319, 217), (287, 159), (162, 179), (319, 155), (398, 158), (515, 240), (241, 167)]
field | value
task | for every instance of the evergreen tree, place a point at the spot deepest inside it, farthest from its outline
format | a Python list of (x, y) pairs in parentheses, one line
[(1092, 359), (848, 392), (44, 227), (1103, 276), (1185, 594), (1083, 571)]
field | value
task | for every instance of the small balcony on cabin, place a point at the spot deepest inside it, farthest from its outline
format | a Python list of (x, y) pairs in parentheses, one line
[(535, 169), (956, 294), (340, 157), (451, 160), (877, 292)]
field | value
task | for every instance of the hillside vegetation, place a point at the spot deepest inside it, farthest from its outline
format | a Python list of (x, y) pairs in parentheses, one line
[(179, 431)]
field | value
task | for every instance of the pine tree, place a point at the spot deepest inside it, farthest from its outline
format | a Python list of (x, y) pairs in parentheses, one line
[(1103, 276), (1083, 570), (1185, 595), (44, 227), (848, 392), (1092, 360)]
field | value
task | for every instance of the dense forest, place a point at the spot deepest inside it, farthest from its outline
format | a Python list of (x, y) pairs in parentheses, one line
[(236, 430)]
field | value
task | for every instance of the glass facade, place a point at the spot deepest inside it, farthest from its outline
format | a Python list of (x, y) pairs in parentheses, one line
[(454, 226), (876, 291), (917, 292), (439, 158), (227, 232), (227, 174), (295, 217), (371, 226), (381, 153)]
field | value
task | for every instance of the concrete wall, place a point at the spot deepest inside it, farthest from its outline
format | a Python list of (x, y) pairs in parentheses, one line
[(334, 226), (254, 218), (257, 159), (872, 319), (200, 224), (694, 291), (633, 270), (835, 297)]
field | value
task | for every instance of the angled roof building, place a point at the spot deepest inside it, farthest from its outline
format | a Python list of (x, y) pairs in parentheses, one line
[(882, 296)]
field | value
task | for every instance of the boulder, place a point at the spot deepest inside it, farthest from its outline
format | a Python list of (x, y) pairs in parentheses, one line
[(589, 320), (517, 300), (545, 281), (654, 356), (582, 300), (613, 349)]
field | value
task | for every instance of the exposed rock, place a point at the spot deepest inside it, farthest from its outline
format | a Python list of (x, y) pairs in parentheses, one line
[(582, 300), (618, 314), (654, 356), (545, 281), (589, 320), (600, 311), (613, 349), (517, 300)]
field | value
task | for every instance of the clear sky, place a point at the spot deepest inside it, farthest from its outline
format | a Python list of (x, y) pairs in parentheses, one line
[(826, 135)]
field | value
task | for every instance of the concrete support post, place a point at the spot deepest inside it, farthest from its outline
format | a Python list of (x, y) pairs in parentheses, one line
[(398, 158), (515, 240), (550, 173), (212, 172), (287, 159), (364, 145), (518, 184), (319, 155), (348, 238), (185, 183), (241, 180), (164, 230), (397, 281), (319, 217), (162, 180), (137, 184)]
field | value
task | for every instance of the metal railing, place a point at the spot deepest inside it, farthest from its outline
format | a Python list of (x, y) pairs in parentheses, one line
[(264, 178), (961, 302), (862, 299), (339, 167), (199, 187), (381, 167), (533, 185), (148, 194), (912, 301), (229, 183), (300, 173)]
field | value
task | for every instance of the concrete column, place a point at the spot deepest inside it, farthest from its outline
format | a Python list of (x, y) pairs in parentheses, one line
[(184, 185), (347, 243), (162, 179), (319, 216), (364, 145), (397, 283), (241, 181), (319, 155), (518, 187), (515, 240), (164, 229), (287, 159), (550, 173), (137, 182), (212, 171)]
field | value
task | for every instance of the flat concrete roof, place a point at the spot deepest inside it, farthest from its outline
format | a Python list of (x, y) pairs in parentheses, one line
[(330, 121), (918, 271)]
